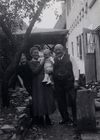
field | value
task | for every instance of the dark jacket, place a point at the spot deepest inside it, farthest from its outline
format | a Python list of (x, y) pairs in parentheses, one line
[(25, 73), (63, 72)]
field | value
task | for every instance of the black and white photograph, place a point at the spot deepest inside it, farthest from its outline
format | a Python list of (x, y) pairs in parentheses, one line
[(49, 69)]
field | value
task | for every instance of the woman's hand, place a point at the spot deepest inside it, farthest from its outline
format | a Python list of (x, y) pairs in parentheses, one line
[(42, 61), (49, 70), (76, 85)]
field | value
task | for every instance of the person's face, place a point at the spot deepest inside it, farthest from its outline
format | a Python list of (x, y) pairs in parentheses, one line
[(23, 60), (47, 54), (59, 51), (35, 54)]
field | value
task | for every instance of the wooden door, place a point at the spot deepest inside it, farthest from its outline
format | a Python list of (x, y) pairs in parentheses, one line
[(89, 54)]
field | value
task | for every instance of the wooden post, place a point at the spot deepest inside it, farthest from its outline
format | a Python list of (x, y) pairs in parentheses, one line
[(85, 110)]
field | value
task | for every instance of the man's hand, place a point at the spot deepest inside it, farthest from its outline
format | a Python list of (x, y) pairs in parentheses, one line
[(76, 85)]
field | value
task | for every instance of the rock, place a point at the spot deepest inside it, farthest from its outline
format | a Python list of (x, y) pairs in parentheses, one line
[(41, 138), (12, 90), (34, 129), (30, 98), (27, 100), (51, 136), (4, 137), (90, 136), (77, 137), (21, 128), (1, 119), (97, 104), (21, 89), (20, 109), (98, 94), (14, 95), (1, 132), (7, 128), (22, 115), (9, 114), (16, 117), (98, 99), (13, 137)]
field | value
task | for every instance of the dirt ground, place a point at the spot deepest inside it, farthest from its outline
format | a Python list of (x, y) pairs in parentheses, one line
[(62, 132), (54, 132), (9, 119)]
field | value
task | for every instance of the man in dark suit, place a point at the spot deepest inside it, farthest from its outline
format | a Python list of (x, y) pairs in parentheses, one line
[(64, 83)]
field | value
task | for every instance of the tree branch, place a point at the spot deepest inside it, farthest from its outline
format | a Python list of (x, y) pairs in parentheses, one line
[(30, 5), (37, 14), (7, 31), (11, 68)]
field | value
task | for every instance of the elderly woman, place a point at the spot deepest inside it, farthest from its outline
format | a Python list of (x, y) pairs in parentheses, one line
[(42, 94)]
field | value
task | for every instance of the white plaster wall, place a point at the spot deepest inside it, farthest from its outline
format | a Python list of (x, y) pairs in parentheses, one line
[(90, 20)]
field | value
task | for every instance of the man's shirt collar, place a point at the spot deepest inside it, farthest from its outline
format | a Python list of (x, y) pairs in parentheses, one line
[(61, 57)]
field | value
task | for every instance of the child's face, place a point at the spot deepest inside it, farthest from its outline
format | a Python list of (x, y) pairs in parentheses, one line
[(46, 55), (35, 54)]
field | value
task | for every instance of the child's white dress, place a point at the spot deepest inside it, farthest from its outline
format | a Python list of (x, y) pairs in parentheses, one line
[(48, 68)]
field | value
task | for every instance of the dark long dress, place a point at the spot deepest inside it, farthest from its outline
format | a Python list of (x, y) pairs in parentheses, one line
[(26, 74), (42, 94)]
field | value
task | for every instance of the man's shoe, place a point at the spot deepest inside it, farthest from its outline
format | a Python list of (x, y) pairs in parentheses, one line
[(41, 121), (68, 122), (63, 122), (48, 121), (74, 124)]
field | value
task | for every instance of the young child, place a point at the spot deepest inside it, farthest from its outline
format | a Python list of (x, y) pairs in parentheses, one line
[(48, 66)]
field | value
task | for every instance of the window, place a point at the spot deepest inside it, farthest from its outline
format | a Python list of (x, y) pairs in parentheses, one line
[(79, 46), (72, 48), (91, 43), (86, 7), (68, 6)]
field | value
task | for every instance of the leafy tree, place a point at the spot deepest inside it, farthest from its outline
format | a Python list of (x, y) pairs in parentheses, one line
[(12, 13)]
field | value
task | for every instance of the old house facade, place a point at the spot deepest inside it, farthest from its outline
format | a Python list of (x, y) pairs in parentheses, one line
[(83, 24)]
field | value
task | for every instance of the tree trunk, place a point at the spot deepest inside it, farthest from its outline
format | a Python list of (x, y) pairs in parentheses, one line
[(12, 67)]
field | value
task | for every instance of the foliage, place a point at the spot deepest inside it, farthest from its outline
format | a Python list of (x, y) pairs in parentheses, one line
[(13, 11)]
